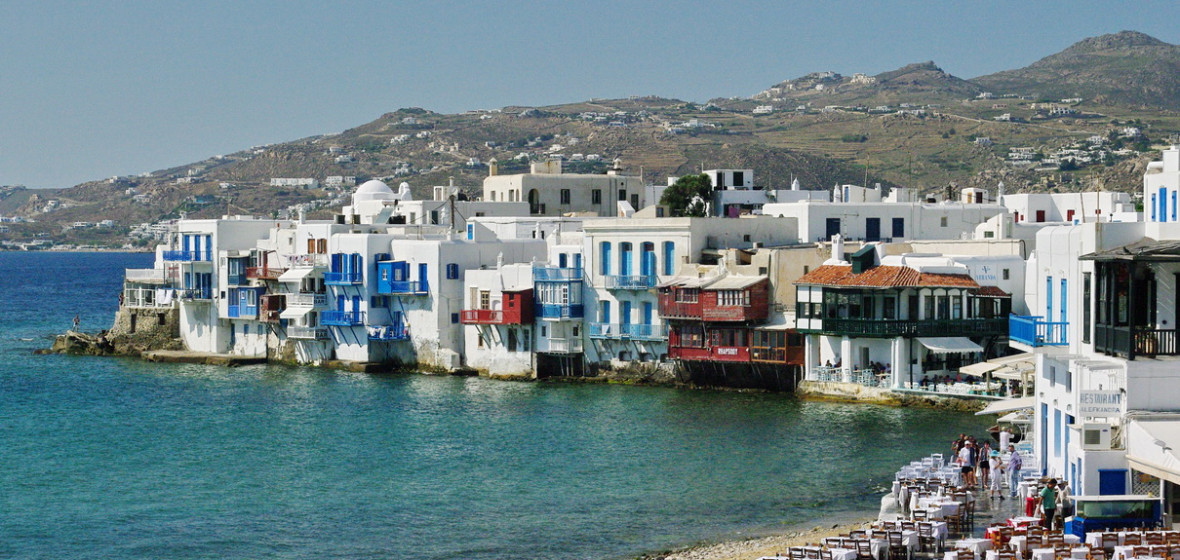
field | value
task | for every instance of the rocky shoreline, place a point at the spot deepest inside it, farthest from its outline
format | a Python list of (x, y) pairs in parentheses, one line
[(753, 548)]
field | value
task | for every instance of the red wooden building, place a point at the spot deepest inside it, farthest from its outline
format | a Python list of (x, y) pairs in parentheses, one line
[(516, 308)]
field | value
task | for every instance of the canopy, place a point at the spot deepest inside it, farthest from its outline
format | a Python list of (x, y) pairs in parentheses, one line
[(950, 344), (735, 282), (295, 274), (294, 312), (1008, 405), (1015, 363), (1150, 443)]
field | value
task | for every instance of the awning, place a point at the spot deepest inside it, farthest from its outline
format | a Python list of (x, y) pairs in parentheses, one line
[(1016, 362), (950, 344), (294, 312), (295, 274), (687, 282), (735, 282), (1008, 405), (1151, 447)]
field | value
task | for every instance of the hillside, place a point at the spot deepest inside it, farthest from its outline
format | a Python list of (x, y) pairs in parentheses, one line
[(916, 126), (1128, 68)]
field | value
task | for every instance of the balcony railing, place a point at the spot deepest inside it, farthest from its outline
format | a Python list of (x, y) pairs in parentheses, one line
[(236, 280), (396, 331), (482, 317), (262, 273), (564, 345), (896, 327), (178, 256), (1135, 341), (406, 287), (680, 310), (307, 300), (148, 298), (307, 261), (1034, 332), (196, 294), (556, 274), (148, 275), (243, 312), (344, 278), (632, 331), (631, 282), (307, 333), (342, 318), (560, 310)]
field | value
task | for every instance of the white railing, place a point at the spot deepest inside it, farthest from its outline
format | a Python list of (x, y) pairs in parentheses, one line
[(149, 298), (307, 261), (308, 333), (566, 345), (867, 377), (145, 275), (307, 300)]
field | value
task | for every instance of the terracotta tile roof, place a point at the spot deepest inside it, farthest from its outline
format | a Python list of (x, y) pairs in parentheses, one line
[(884, 277), (992, 291)]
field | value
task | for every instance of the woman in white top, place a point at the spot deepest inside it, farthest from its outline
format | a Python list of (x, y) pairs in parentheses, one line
[(997, 468)]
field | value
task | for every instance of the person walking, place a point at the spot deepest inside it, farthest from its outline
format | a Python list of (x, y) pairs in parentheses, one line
[(985, 466), (1015, 463), (997, 471)]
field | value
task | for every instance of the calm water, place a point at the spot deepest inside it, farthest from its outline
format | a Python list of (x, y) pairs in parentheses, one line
[(114, 458)]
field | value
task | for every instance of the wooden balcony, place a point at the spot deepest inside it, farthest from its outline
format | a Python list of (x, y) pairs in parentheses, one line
[(264, 273)]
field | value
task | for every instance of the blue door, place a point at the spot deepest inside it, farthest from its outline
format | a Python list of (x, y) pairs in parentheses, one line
[(562, 260), (1163, 201), (340, 301), (422, 273), (208, 248), (578, 261), (606, 312), (647, 312), (1112, 482), (647, 260), (624, 259)]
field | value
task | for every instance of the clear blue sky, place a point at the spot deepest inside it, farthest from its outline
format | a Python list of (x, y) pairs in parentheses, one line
[(91, 90)]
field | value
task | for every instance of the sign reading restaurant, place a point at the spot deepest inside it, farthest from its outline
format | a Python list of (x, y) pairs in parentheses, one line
[(1100, 403)]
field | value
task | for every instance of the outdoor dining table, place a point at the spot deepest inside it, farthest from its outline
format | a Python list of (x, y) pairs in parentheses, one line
[(880, 544), (1048, 553), (843, 553), (1023, 521), (975, 545), (1020, 542), (1094, 539)]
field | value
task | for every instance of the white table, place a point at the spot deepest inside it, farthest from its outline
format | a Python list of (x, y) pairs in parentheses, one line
[(879, 545), (1019, 543), (843, 553), (1048, 553), (976, 546)]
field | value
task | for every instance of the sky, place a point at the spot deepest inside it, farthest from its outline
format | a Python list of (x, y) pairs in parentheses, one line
[(94, 89)]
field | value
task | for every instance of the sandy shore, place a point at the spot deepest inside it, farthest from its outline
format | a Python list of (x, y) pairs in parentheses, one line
[(752, 549)]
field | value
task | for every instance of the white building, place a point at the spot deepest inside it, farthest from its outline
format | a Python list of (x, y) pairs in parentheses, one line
[(550, 192)]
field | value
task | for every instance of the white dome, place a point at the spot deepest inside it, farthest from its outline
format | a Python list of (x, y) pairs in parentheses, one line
[(372, 190)]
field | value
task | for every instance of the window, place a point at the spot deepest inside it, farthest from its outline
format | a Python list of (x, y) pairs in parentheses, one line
[(470, 232), (485, 299), (622, 194), (604, 256), (1007, 274), (942, 221), (898, 228), (733, 298), (669, 258), (596, 196), (565, 196), (687, 295), (454, 318), (452, 271), (260, 330)]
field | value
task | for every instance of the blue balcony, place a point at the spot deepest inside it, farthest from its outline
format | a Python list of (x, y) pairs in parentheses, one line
[(1035, 332), (243, 312), (344, 278), (175, 256), (342, 318), (641, 282), (632, 331), (396, 331), (403, 287), (556, 274), (560, 311)]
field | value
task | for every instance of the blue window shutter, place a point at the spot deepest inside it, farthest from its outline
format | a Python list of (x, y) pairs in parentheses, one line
[(605, 263), (669, 258)]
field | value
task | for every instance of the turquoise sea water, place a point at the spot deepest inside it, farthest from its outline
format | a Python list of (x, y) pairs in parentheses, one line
[(116, 458)]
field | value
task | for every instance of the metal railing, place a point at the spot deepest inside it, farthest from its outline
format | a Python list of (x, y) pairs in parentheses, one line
[(148, 298), (898, 327), (344, 278), (307, 261), (629, 282), (1136, 341), (866, 377), (396, 331), (1035, 332), (556, 274), (307, 333), (177, 256), (342, 318), (196, 294), (243, 312), (307, 300), (633, 331)]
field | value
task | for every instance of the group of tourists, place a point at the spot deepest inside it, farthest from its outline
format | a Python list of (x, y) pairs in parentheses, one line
[(983, 467)]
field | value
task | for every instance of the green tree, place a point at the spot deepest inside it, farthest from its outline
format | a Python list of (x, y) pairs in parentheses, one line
[(679, 198)]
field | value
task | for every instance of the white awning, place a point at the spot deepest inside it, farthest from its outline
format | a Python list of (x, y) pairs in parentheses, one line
[(735, 282), (1015, 362), (1151, 444), (294, 312), (950, 344), (295, 274), (1008, 405)]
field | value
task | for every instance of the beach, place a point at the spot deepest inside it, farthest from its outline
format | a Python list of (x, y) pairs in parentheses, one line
[(754, 548)]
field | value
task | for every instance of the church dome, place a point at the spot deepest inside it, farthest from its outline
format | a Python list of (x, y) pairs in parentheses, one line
[(372, 190)]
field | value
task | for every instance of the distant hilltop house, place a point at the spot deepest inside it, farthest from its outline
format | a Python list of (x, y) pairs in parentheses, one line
[(301, 182), (340, 181), (863, 79), (763, 109)]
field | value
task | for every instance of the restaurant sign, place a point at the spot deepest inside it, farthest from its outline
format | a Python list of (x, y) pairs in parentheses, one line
[(1100, 403)]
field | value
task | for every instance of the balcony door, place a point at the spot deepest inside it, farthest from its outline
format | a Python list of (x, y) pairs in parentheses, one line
[(625, 258), (625, 312), (647, 261)]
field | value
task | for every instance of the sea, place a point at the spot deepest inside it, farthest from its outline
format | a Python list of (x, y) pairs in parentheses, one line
[(105, 457)]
